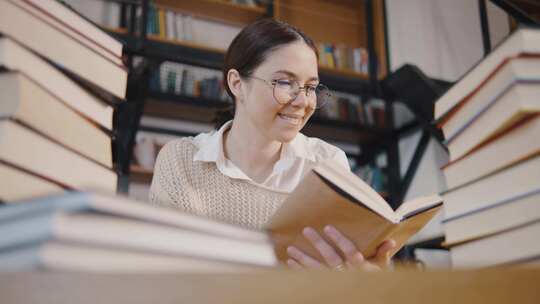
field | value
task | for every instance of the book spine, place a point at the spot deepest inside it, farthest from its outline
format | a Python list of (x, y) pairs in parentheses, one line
[(161, 23), (171, 28)]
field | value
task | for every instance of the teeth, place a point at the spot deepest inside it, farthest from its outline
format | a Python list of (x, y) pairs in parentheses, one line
[(292, 120)]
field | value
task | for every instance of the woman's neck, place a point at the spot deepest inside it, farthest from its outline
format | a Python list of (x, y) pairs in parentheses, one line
[(248, 149)]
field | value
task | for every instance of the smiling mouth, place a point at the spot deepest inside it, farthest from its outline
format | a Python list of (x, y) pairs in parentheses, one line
[(292, 119)]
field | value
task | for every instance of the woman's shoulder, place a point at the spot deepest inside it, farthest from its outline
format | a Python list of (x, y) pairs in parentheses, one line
[(315, 147), (319, 150), (177, 148)]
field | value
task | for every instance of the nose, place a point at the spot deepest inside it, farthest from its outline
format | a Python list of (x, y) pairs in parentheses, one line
[(301, 99)]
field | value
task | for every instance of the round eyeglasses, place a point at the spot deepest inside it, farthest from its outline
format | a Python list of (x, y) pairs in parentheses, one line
[(286, 91)]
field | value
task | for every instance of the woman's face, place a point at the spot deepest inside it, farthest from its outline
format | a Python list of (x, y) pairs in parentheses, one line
[(289, 63)]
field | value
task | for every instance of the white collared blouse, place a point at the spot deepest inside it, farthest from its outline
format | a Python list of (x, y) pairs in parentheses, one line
[(296, 159)]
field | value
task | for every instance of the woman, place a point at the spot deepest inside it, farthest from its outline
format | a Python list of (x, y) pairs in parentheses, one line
[(243, 171)]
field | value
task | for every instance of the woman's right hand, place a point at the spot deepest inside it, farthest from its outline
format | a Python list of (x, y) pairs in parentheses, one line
[(346, 257)]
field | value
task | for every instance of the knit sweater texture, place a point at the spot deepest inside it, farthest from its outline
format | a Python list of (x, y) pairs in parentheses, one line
[(200, 188)]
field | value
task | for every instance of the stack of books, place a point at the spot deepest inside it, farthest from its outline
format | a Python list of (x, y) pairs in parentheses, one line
[(89, 232), (60, 79), (491, 122)]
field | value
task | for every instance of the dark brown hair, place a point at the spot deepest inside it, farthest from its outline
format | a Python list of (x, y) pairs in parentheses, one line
[(251, 46)]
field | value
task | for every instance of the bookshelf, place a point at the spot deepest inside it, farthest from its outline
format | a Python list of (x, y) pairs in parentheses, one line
[(203, 110), (218, 10), (140, 175), (339, 22), (354, 17)]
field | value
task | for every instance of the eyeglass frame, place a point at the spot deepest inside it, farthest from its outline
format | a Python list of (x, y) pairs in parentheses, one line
[(273, 84)]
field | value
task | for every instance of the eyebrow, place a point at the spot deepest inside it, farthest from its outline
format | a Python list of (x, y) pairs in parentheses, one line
[(289, 73)]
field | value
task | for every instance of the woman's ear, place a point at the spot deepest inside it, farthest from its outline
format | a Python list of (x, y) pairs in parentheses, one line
[(235, 83)]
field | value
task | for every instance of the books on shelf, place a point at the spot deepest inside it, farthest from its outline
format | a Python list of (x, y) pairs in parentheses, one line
[(373, 175), (183, 79), (490, 118), (176, 26), (350, 108), (343, 57), (330, 196), (155, 133), (53, 43), (344, 107), (55, 229)]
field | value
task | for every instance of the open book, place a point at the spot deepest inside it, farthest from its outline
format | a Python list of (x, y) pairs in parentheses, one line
[(330, 196)]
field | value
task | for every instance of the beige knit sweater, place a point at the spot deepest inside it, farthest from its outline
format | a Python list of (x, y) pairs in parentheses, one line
[(200, 188)]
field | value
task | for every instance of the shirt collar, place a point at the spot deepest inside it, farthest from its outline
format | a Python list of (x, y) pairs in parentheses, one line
[(211, 150), (211, 144)]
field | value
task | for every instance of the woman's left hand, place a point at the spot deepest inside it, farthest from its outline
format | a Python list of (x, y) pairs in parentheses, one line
[(349, 258)]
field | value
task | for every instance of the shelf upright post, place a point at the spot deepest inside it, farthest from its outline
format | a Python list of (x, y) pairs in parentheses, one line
[(372, 56), (123, 14), (269, 10), (129, 114), (516, 12), (144, 21), (128, 118), (484, 24)]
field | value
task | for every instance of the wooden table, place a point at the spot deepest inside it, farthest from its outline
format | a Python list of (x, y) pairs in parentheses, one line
[(493, 286)]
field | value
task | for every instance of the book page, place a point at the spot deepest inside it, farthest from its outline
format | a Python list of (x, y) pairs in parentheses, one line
[(357, 188), (410, 226), (418, 205)]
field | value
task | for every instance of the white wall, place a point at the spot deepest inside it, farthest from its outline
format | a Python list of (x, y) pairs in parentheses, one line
[(444, 39)]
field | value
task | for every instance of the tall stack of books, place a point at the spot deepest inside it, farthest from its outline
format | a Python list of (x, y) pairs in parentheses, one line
[(60, 78), (491, 122)]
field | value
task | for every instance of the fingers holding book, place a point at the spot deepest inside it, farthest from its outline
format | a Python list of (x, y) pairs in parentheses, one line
[(339, 254)]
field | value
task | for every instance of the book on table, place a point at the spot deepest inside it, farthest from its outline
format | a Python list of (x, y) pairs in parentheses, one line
[(329, 195), (106, 228), (73, 256)]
